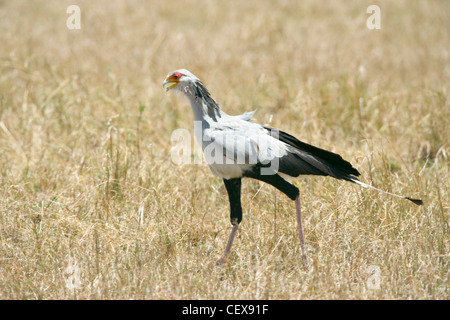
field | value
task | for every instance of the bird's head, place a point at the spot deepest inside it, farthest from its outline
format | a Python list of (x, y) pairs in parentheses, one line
[(179, 79)]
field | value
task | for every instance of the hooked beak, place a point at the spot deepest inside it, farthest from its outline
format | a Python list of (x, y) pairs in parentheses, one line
[(170, 83)]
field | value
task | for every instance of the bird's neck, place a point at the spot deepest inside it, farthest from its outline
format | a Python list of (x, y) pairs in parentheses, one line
[(203, 106), (205, 111)]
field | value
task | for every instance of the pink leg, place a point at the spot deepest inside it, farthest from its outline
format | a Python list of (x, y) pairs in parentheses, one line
[(230, 242), (300, 229)]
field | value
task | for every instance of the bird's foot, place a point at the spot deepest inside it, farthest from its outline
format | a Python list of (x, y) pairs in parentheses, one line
[(222, 261), (304, 260)]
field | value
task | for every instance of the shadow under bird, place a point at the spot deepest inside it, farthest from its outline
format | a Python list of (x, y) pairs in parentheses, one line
[(234, 148)]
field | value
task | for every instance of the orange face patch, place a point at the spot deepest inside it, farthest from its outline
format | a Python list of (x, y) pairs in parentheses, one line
[(175, 77)]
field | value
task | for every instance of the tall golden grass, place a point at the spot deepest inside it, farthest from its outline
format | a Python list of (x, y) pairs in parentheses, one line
[(92, 207)]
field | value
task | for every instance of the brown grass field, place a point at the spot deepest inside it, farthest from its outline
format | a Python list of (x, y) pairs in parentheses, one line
[(92, 207)]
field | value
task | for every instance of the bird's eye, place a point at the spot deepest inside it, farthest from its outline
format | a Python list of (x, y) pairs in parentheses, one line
[(177, 75)]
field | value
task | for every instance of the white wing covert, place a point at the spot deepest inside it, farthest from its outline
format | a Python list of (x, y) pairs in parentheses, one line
[(238, 141)]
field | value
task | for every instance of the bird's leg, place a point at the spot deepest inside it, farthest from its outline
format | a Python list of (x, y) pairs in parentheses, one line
[(230, 240), (300, 228), (294, 194), (233, 187)]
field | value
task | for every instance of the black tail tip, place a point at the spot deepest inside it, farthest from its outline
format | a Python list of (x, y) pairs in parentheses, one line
[(419, 202)]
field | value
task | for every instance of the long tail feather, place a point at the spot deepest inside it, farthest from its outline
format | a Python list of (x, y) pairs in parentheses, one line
[(418, 202)]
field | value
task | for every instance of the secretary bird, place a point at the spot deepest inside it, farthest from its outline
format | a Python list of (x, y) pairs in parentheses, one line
[(235, 148)]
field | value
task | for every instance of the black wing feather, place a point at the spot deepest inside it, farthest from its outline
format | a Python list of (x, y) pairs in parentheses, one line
[(307, 159)]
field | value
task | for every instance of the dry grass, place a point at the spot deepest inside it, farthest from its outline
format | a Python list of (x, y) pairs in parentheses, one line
[(87, 190)]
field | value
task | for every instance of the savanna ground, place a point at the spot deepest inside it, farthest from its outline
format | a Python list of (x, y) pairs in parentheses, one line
[(92, 207)]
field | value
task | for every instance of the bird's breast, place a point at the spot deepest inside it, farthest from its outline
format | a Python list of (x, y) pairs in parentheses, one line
[(229, 171)]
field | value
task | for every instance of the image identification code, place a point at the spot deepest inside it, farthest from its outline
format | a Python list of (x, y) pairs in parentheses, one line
[(235, 309)]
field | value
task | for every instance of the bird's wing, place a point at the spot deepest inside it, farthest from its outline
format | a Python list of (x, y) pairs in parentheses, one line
[(241, 142), (245, 144), (303, 158)]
